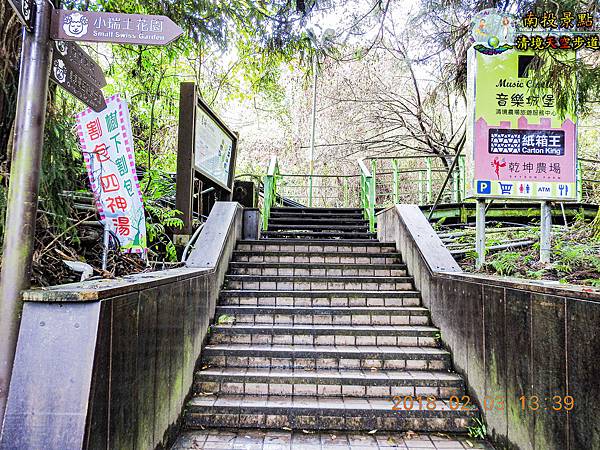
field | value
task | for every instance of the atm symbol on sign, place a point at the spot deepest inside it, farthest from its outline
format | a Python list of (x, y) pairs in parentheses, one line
[(484, 187)]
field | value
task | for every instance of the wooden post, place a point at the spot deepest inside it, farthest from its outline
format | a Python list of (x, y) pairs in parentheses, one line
[(185, 156)]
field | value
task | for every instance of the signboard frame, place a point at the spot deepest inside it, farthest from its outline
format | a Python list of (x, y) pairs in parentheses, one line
[(193, 182)]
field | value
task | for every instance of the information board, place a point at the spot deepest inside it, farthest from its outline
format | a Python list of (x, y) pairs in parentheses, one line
[(213, 148), (522, 148)]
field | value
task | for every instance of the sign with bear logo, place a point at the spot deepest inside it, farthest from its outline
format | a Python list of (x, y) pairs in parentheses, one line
[(113, 27), (72, 81), (24, 10)]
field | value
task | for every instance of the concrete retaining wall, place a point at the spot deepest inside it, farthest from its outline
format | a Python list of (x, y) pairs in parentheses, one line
[(109, 364), (510, 338)]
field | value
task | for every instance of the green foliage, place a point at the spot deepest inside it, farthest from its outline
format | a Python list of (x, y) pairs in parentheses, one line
[(478, 430), (505, 263), (225, 319), (62, 168)]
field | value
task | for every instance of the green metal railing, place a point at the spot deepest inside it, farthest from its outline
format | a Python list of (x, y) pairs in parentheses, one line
[(270, 181), (367, 193), (383, 181)]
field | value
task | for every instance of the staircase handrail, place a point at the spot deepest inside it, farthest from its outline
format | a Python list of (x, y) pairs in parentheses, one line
[(270, 191), (367, 193)]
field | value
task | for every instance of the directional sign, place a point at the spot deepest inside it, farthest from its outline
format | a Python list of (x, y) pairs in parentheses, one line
[(25, 11), (79, 61), (71, 81), (112, 27)]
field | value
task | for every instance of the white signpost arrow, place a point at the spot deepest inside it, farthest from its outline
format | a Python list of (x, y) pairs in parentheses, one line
[(112, 27)]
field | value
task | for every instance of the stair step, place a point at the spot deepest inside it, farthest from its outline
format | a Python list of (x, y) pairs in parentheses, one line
[(327, 383), (317, 221), (404, 315), (359, 335), (320, 234), (318, 257), (316, 216), (317, 211), (255, 297), (308, 282), (326, 413), (326, 357), (322, 227), (316, 269), (317, 245)]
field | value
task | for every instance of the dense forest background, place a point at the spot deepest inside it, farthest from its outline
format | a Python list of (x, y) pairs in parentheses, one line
[(391, 81)]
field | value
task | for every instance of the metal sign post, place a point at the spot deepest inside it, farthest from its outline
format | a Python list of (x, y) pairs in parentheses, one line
[(23, 190), (545, 232), (480, 233)]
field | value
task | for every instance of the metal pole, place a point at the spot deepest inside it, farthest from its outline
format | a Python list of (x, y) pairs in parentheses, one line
[(545, 232), (105, 243), (25, 169), (429, 180), (480, 233), (312, 132)]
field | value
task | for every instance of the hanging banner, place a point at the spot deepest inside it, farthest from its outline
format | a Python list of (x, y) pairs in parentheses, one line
[(107, 146), (522, 148)]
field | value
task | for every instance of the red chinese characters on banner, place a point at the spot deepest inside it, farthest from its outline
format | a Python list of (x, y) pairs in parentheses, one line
[(106, 142)]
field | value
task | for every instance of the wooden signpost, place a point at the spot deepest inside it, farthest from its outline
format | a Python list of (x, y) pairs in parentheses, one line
[(25, 10), (72, 69)]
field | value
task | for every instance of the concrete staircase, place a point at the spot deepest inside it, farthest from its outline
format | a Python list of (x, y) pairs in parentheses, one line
[(319, 327)]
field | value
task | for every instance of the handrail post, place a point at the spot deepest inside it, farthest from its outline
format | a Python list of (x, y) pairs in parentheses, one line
[(345, 192), (372, 198), (463, 181), (395, 181), (579, 185), (421, 187), (455, 177), (270, 191), (429, 181)]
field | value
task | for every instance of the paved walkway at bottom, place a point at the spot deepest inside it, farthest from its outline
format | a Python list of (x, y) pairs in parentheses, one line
[(280, 440)]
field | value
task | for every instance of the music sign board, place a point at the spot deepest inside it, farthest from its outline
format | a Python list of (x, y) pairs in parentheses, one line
[(522, 148), (107, 145)]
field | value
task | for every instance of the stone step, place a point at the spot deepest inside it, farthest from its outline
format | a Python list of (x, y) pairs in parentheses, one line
[(317, 269), (307, 282), (320, 226), (319, 315), (316, 216), (327, 383), (317, 257), (316, 245), (317, 211), (303, 220), (255, 297), (319, 234), (359, 335), (327, 413), (326, 357)]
